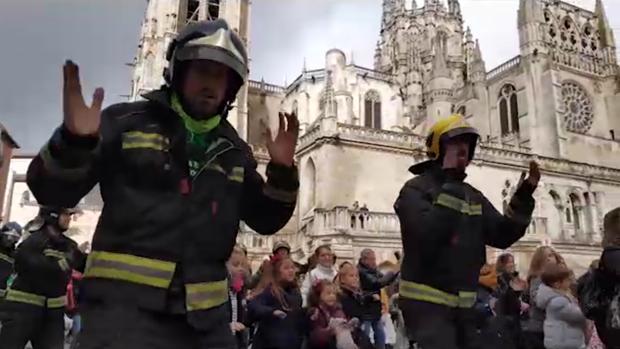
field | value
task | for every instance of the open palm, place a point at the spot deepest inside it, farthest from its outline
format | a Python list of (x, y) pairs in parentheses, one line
[(282, 148), (79, 119)]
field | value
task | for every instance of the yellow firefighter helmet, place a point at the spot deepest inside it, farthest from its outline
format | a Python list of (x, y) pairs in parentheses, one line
[(447, 128)]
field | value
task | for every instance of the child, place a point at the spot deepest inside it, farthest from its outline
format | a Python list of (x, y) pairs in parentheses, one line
[(329, 328), (281, 320), (353, 300), (564, 323), (238, 276), (324, 270)]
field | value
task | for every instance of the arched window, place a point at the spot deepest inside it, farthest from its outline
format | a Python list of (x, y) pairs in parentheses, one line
[(508, 110), (462, 110), (308, 190), (372, 110), (575, 208), (295, 109)]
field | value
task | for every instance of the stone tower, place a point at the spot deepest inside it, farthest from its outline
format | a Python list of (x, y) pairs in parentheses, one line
[(428, 51), (569, 55), (163, 20)]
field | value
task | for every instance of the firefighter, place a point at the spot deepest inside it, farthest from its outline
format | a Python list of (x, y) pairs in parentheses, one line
[(175, 179), (9, 236), (445, 225), (33, 308)]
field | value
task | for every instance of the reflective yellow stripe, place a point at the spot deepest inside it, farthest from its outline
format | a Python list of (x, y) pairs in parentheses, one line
[(25, 297), (215, 167), (458, 205), (139, 270), (429, 294), (137, 139), (53, 253), (6, 258), (58, 302), (206, 295), (237, 174), (64, 265)]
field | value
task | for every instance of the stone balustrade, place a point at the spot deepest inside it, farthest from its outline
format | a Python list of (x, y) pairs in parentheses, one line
[(494, 152), (351, 222), (263, 86), (504, 67)]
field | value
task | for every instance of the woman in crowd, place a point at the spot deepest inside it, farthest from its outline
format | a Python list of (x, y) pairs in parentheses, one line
[(282, 324), (533, 328), (324, 270)]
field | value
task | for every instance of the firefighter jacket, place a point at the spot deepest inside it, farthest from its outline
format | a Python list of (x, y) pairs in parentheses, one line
[(6, 268), (162, 234), (445, 225), (43, 266)]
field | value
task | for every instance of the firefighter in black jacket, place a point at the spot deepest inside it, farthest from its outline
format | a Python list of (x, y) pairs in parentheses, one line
[(445, 225), (9, 236), (175, 178), (33, 308)]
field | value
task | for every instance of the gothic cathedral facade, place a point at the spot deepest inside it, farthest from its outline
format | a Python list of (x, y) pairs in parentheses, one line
[(363, 127)]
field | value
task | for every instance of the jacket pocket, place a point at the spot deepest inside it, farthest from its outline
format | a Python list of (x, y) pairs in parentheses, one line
[(146, 158)]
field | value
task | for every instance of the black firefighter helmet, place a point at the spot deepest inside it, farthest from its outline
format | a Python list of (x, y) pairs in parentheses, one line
[(10, 234), (49, 215), (209, 40)]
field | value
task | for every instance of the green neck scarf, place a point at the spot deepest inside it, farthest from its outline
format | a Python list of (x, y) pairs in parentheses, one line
[(195, 127)]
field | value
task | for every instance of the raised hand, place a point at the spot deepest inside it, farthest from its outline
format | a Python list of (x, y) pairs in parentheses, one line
[(534, 176), (79, 119), (282, 148)]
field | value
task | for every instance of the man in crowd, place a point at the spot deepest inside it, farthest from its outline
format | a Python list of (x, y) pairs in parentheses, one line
[(372, 281), (9, 236), (176, 179), (445, 225)]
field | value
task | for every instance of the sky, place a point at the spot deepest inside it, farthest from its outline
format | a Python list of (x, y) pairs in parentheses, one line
[(102, 35)]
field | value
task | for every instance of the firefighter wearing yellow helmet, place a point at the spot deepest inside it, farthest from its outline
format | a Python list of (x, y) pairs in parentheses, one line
[(176, 179), (445, 225)]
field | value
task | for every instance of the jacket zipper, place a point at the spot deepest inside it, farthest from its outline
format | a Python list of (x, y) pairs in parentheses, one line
[(230, 147)]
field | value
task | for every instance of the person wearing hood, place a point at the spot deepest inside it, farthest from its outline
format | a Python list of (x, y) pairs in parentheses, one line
[(565, 324), (34, 305), (445, 225), (9, 236), (324, 270), (603, 283), (176, 179)]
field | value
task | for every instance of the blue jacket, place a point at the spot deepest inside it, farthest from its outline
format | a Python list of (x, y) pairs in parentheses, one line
[(273, 332)]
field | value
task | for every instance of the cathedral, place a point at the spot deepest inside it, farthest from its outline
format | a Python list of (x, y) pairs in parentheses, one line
[(362, 127)]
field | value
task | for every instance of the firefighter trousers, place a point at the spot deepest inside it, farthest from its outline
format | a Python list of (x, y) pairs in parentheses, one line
[(434, 326), (117, 326), (43, 328)]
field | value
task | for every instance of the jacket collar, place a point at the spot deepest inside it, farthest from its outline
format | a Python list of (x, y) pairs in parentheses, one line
[(162, 98), (432, 168)]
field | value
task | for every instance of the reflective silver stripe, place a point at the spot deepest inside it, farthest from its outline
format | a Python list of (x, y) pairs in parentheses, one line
[(53, 253), (125, 267), (6, 258), (206, 295), (279, 194), (101, 263)]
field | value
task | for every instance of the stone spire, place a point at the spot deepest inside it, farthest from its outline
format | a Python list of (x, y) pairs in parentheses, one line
[(607, 34), (529, 12), (414, 4), (478, 73), (330, 101), (378, 56), (468, 36), (304, 67)]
